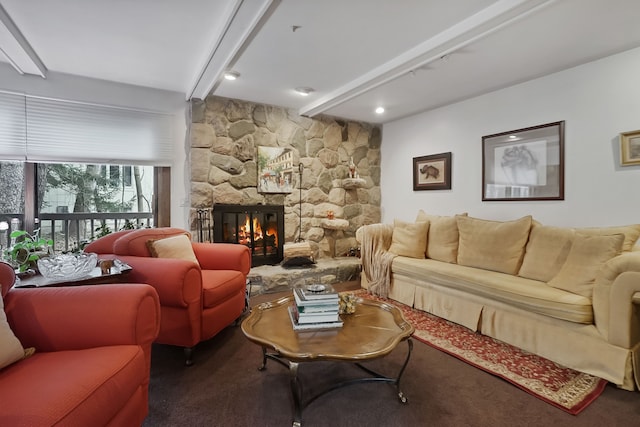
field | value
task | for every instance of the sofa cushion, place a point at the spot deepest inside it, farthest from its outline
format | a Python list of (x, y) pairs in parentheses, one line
[(220, 285), (409, 238), (492, 245), (442, 241), (587, 256), (631, 233), (530, 295), (178, 247), (11, 349), (546, 252), (77, 387)]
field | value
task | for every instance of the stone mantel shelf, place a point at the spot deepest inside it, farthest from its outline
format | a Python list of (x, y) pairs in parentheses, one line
[(335, 224), (350, 183)]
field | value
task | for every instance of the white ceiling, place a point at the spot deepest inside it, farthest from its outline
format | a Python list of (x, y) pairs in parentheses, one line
[(406, 55)]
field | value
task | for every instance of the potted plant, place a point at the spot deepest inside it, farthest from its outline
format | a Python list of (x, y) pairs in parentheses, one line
[(27, 249)]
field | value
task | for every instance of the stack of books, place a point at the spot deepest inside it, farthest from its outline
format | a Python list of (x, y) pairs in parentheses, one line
[(315, 307)]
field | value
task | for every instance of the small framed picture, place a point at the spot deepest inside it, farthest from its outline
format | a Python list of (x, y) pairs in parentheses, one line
[(524, 164), (432, 172), (275, 170), (630, 148)]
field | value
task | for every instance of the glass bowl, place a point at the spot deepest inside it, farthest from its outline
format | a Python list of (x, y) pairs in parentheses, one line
[(67, 266)]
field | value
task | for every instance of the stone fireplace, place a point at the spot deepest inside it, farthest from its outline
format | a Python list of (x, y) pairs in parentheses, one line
[(225, 135), (259, 227)]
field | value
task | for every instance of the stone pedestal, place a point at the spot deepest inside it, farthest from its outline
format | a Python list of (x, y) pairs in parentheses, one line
[(332, 226)]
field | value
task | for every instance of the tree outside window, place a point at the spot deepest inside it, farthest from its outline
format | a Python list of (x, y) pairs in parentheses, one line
[(74, 189)]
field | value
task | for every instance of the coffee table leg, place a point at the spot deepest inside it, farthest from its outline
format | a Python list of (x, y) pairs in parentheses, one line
[(296, 386), (264, 359), (401, 395), (296, 391)]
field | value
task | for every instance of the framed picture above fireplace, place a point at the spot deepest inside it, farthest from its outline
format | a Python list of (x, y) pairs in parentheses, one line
[(275, 170)]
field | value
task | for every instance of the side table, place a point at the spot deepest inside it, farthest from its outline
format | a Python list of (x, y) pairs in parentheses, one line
[(95, 277)]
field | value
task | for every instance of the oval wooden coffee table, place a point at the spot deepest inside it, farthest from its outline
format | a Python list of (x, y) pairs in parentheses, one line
[(373, 331)]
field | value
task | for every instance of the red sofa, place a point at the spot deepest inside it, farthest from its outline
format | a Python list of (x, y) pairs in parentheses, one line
[(197, 300), (92, 354)]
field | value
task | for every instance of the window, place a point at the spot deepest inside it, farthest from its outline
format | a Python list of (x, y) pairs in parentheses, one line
[(77, 138), (12, 200), (80, 187), (61, 131), (126, 176), (114, 175), (72, 203)]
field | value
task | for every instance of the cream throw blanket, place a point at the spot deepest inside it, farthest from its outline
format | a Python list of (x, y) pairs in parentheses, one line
[(376, 260)]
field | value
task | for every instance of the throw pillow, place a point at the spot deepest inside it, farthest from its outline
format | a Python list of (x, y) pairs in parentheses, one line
[(587, 255), (442, 242), (492, 245), (546, 252), (409, 238), (11, 349), (631, 233), (178, 246)]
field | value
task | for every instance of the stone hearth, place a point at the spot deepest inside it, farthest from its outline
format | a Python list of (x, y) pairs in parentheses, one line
[(274, 278)]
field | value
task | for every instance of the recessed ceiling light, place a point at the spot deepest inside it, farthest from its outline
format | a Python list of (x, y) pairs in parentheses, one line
[(379, 110), (304, 91), (512, 137), (231, 75)]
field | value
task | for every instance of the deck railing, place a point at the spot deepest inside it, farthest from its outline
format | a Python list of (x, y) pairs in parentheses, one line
[(70, 230)]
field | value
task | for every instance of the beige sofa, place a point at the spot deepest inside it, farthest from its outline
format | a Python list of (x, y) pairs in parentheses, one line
[(569, 295)]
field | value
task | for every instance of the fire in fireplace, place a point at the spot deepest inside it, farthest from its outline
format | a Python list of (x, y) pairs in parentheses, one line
[(259, 227)]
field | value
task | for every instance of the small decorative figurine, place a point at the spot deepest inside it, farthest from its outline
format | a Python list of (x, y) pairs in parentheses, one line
[(105, 266), (352, 169)]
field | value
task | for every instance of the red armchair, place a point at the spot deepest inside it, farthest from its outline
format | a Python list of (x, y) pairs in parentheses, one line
[(92, 354), (196, 300)]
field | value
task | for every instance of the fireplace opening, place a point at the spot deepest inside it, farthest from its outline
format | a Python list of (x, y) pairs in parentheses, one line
[(259, 227)]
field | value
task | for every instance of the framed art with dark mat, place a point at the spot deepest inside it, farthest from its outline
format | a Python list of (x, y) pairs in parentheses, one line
[(432, 172), (524, 164)]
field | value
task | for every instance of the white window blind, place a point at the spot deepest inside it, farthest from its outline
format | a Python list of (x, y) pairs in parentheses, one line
[(13, 131), (71, 132)]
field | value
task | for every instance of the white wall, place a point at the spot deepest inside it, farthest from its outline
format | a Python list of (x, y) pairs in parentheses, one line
[(181, 171), (597, 101)]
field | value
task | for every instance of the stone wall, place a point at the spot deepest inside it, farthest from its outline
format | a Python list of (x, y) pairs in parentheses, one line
[(225, 134)]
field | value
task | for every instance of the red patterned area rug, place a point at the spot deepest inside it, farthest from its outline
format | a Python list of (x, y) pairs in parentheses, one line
[(569, 390)]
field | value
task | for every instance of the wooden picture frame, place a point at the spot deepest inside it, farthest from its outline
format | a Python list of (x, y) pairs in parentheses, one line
[(432, 172), (524, 164), (630, 148)]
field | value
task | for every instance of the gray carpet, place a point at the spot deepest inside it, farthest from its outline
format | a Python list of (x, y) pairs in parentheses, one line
[(225, 388)]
